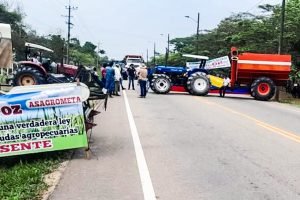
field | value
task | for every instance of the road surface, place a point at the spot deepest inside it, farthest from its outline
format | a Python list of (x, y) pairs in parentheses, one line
[(178, 146)]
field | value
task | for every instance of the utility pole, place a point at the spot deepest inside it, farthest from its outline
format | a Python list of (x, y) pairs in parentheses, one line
[(167, 50), (280, 43), (168, 43), (281, 27), (98, 55), (154, 55), (69, 7), (197, 31), (147, 56), (197, 44)]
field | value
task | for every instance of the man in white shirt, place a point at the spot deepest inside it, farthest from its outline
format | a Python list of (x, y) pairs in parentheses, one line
[(118, 76), (142, 77), (226, 83)]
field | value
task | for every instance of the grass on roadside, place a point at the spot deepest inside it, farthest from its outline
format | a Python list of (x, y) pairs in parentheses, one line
[(295, 102), (21, 177)]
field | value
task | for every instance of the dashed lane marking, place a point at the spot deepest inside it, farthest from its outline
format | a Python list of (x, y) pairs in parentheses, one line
[(279, 131)]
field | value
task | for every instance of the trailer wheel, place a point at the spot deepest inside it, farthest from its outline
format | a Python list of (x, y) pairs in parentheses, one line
[(198, 84), (27, 75), (263, 89), (161, 84)]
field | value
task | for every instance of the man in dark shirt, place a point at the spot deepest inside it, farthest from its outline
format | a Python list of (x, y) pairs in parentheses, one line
[(131, 76)]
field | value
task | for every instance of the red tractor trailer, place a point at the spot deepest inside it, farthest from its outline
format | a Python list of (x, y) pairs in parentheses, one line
[(251, 73), (260, 73)]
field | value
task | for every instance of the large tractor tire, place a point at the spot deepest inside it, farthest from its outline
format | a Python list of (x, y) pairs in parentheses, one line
[(263, 89), (28, 75), (161, 84), (150, 80), (198, 84)]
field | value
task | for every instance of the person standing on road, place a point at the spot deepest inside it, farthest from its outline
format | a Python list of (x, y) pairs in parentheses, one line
[(142, 78), (121, 79), (97, 78), (117, 79), (131, 76), (226, 82), (110, 79), (103, 73)]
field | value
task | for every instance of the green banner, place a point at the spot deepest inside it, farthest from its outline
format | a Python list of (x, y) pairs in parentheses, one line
[(41, 121)]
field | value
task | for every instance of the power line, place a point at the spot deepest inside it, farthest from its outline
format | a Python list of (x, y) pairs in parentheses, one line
[(70, 24), (83, 26), (255, 6)]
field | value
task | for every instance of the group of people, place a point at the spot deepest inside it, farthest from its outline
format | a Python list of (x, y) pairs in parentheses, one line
[(112, 78)]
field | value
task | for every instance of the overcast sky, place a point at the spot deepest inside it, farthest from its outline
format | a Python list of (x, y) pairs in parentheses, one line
[(130, 26)]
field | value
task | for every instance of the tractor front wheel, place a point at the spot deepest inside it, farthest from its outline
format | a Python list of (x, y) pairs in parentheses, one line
[(160, 84), (198, 84), (27, 75), (263, 89)]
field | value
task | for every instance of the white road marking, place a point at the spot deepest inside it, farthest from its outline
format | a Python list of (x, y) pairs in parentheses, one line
[(147, 186)]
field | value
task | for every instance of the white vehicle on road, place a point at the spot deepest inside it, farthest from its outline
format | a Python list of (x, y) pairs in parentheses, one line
[(136, 60)]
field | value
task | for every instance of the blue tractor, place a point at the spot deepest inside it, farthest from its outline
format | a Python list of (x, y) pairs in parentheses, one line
[(193, 80)]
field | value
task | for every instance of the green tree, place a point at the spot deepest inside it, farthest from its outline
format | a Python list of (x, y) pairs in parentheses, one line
[(56, 43), (89, 48), (14, 18), (9, 17)]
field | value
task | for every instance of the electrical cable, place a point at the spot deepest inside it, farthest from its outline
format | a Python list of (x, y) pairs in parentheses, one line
[(255, 6)]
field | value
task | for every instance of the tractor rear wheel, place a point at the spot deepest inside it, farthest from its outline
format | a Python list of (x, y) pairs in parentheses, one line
[(27, 75), (198, 84), (263, 89), (150, 80), (160, 84)]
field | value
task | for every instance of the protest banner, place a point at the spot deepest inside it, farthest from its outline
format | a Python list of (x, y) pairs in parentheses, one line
[(222, 62), (40, 121)]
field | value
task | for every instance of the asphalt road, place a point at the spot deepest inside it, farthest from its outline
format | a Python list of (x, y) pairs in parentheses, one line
[(194, 148)]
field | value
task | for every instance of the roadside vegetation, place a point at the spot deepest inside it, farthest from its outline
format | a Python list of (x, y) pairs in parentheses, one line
[(293, 101), (22, 176)]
